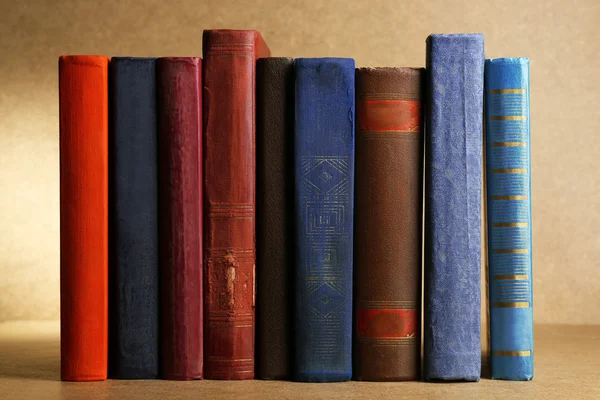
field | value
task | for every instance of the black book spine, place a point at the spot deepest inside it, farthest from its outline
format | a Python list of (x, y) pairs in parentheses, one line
[(274, 217), (134, 341)]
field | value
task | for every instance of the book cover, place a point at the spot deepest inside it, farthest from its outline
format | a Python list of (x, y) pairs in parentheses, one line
[(134, 217), (179, 89), (274, 217), (509, 217), (453, 189), (83, 109), (229, 76), (324, 193), (389, 219)]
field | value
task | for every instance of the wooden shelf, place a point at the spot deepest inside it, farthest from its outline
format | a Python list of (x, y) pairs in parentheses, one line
[(567, 365)]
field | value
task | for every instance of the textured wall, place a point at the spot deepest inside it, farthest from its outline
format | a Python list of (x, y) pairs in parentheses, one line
[(559, 38)]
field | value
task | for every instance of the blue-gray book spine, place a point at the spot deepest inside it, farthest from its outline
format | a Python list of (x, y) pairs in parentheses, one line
[(134, 219), (509, 217), (453, 189), (324, 176)]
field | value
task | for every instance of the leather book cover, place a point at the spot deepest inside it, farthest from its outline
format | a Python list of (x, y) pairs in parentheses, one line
[(389, 219), (509, 217), (324, 193), (229, 70), (453, 189), (179, 89), (274, 217), (83, 108), (134, 218)]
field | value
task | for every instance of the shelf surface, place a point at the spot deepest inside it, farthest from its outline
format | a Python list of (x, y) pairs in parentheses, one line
[(567, 365)]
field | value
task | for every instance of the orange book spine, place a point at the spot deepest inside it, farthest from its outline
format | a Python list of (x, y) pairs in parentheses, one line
[(83, 98)]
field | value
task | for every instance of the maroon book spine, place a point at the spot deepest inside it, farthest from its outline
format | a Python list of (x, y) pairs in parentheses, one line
[(229, 195), (180, 216)]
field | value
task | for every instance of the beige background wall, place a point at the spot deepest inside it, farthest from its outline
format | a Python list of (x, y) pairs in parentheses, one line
[(560, 37)]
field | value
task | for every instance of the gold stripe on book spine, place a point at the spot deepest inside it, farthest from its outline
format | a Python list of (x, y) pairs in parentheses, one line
[(509, 171), (521, 353), (510, 224), (508, 144), (511, 251), (512, 277), (508, 118), (511, 304), (508, 91)]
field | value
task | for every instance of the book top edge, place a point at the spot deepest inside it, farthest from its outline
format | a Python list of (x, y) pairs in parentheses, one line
[(416, 70), (186, 60), (324, 60), (91, 60), (128, 59), (455, 36), (508, 60), (279, 59)]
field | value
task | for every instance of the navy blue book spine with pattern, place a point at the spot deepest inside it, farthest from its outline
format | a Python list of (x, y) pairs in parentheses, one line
[(134, 219), (324, 175), (453, 189), (509, 217)]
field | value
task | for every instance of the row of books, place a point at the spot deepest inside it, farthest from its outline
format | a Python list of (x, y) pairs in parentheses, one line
[(194, 191)]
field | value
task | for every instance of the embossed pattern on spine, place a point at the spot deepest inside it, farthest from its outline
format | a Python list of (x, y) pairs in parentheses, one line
[(389, 204), (453, 162), (324, 218), (509, 218), (229, 197)]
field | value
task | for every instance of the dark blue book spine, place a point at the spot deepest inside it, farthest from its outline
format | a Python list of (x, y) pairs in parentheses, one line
[(134, 218), (452, 331), (324, 174), (509, 217)]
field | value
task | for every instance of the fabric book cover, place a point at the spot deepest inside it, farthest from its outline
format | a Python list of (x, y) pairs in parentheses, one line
[(134, 218), (389, 219), (274, 217), (179, 90), (83, 109), (324, 193), (229, 76), (509, 217), (453, 189)]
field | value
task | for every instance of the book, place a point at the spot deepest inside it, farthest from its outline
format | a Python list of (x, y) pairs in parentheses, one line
[(83, 109), (509, 217), (453, 188), (274, 217), (179, 89), (229, 73), (324, 193), (389, 218), (133, 217)]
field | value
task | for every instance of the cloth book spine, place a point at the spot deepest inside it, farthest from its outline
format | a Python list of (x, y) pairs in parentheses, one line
[(389, 219), (453, 162), (229, 196), (134, 217), (274, 217), (509, 217), (179, 89), (324, 193), (83, 105)]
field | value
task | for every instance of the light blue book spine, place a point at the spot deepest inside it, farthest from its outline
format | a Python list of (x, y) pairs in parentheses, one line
[(509, 217)]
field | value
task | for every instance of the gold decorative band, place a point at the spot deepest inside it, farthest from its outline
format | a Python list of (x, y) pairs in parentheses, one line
[(512, 277), (508, 118), (508, 91), (510, 198), (522, 353), (509, 171), (508, 144), (510, 224), (511, 304), (511, 251)]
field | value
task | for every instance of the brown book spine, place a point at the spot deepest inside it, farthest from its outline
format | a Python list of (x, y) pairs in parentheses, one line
[(274, 217), (229, 180), (388, 215)]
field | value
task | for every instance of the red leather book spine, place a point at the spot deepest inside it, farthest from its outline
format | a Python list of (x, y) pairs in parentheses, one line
[(180, 204), (83, 102), (229, 195)]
